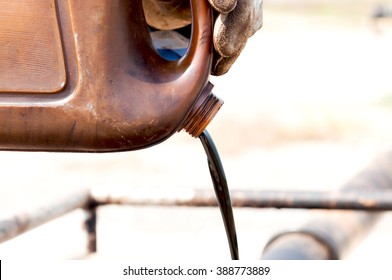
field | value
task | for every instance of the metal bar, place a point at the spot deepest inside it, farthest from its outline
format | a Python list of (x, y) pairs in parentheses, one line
[(369, 201), (14, 225), (90, 225)]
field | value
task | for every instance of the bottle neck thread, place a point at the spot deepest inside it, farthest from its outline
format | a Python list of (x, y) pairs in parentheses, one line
[(206, 107)]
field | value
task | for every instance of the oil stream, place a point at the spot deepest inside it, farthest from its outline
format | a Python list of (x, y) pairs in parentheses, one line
[(221, 190)]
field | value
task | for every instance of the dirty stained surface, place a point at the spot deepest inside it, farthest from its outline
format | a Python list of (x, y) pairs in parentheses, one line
[(307, 105)]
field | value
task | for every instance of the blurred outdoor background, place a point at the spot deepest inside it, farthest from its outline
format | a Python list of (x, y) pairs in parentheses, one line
[(307, 105)]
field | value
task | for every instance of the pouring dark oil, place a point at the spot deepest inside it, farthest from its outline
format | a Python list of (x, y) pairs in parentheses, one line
[(221, 190)]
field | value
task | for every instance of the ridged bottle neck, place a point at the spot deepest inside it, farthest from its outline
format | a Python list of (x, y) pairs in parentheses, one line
[(206, 107)]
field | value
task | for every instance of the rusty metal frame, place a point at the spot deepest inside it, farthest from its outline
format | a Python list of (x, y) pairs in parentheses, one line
[(14, 225), (361, 200)]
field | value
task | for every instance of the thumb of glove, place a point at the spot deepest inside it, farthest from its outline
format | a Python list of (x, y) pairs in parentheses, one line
[(232, 30)]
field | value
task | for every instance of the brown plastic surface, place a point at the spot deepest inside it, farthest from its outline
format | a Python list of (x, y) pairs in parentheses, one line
[(31, 55), (101, 85)]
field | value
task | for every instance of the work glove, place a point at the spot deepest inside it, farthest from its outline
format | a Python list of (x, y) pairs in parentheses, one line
[(235, 22)]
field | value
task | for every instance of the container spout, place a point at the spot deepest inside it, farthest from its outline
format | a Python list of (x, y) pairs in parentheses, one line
[(204, 110)]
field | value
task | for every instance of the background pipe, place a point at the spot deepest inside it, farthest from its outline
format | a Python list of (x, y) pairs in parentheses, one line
[(330, 234)]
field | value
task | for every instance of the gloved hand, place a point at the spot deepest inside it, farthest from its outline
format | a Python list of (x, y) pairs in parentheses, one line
[(235, 23)]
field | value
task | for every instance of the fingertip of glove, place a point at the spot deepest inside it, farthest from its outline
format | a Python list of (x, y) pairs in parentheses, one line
[(223, 6), (221, 65)]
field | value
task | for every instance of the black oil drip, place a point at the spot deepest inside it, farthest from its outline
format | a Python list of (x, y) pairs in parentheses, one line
[(221, 190)]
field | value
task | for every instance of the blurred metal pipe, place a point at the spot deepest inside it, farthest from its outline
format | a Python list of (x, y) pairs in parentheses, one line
[(382, 11), (369, 201), (90, 224), (16, 224), (297, 246), (331, 234)]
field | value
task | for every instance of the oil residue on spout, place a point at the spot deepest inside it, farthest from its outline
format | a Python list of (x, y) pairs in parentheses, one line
[(221, 190)]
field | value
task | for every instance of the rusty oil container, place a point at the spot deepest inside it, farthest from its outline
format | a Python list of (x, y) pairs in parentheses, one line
[(84, 76)]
